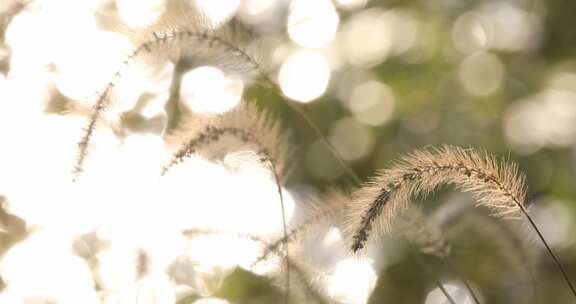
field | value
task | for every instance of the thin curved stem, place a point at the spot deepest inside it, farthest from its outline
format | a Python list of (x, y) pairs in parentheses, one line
[(431, 275), (464, 281), (355, 178), (556, 261), (172, 106), (284, 227)]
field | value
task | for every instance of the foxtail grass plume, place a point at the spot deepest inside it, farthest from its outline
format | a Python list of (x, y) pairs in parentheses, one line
[(176, 35), (373, 207), (495, 185), (185, 34), (241, 128), (247, 128)]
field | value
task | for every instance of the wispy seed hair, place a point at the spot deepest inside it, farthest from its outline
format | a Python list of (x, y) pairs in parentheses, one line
[(330, 207), (496, 185), (183, 34), (248, 127), (418, 230), (174, 36)]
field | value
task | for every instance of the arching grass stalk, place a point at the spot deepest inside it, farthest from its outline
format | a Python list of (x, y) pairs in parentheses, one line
[(246, 125), (495, 185)]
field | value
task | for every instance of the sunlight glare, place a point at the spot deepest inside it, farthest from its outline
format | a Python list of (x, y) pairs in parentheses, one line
[(70, 74), (139, 14), (218, 12), (256, 11), (469, 34), (155, 289), (243, 199), (312, 24), (211, 301), (367, 38), (546, 119), (209, 251), (481, 74), (304, 76), (142, 80), (332, 237), (458, 293), (342, 287), (351, 4), (50, 171), (207, 90), (555, 220), (30, 275), (510, 27), (372, 103)]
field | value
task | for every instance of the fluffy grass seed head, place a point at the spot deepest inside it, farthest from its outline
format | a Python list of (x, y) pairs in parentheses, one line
[(241, 128), (178, 34), (496, 185)]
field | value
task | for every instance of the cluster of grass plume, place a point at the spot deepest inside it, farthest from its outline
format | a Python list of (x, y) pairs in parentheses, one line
[(373, 209)]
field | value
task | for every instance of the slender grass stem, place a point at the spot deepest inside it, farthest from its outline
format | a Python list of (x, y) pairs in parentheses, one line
[(285, 229), (550, 252), (464, 281), (431, 275)]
